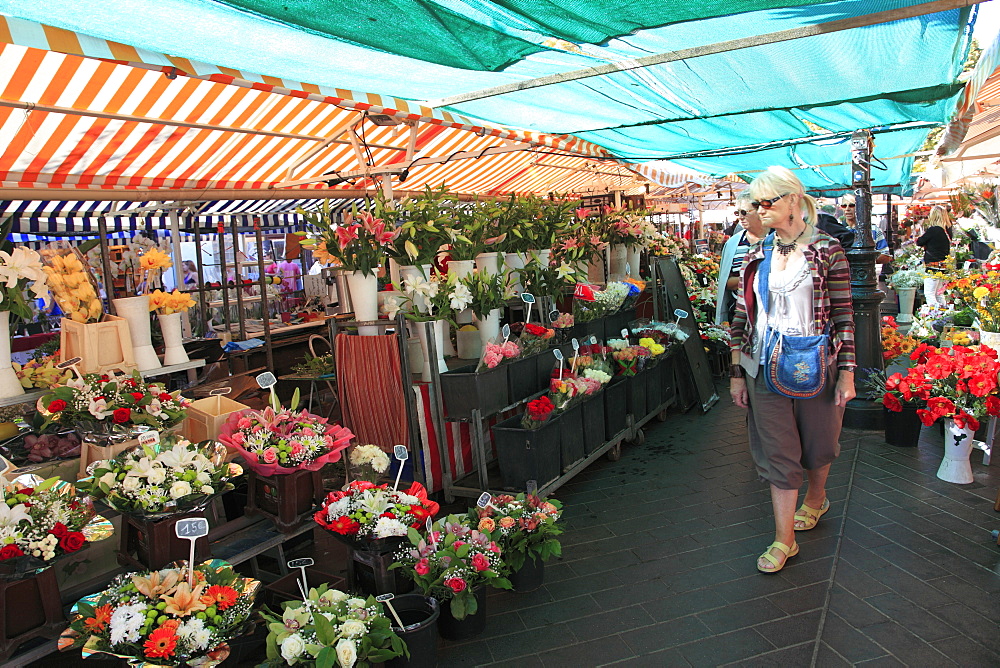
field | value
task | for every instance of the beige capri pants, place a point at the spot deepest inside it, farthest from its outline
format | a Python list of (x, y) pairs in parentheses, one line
[(781, 452)]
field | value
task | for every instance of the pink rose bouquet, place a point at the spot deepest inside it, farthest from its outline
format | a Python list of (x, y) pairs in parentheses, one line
[(451, 561), (496, 353)]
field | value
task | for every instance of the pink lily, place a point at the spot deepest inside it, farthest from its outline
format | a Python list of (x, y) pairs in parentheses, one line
[(345, 235)]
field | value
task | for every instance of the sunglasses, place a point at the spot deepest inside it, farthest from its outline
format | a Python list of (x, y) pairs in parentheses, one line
[(766, 203), (741, 212), (848, 206)]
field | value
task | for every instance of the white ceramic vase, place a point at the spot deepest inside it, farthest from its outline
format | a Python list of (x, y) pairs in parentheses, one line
[(10, 386), (619, 257), (489, 263), (596, 268), (461, 269), (991, 339), (489, 327), (394, 272), (173, 339), (431, 356), (424, 272), (515, 262), (906, 297), (364, 300), (956, 467), (135, 310), (633, 258)]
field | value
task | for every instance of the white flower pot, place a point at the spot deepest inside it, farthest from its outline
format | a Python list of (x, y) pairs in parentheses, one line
[(173, 346), (135, 310), (468, 344), (619, 257), (991, 339), (906, 297), (423, 271), (364, 299), (515, 262), (489, 263), (431, 356), (934, 291), (633, 258), (596, 268), (394, 272), (462, 269), (544, 256), (489, 327), (955, 467), (10, 386)]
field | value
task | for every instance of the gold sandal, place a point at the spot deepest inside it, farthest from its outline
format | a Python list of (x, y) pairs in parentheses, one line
[(789, 552), (810, 516)]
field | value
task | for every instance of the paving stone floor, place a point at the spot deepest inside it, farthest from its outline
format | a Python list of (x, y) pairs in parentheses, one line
[(659, 555)]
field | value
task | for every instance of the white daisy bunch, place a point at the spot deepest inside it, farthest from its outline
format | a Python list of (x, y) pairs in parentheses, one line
[(368, 462), (174, 474), (331, 627)]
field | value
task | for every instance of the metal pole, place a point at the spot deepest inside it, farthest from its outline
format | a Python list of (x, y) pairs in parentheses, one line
[(109, 282), (238, 277), (221, 241), (265, 313), (862, 413)]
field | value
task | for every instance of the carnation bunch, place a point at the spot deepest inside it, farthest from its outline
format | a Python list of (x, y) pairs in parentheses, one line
[(366, 512), (159, 618), (284, 441), (331, 628), (172, 476), (128, 400), (537, 413), (368, 462), (41, 520), (451, 561), (523, 525), (534, 338), (496, 353)]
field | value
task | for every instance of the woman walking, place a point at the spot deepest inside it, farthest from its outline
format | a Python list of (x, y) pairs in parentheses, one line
[(749, 231), (936, 242), (809, 293)]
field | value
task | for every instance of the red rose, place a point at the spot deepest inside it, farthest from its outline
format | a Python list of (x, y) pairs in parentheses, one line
[(59, 530), (57, 405), (165, 397), (122, 415), (10, 551), (534, 330), (455, 584), (891, 402), (72, 541), (422, 567), (480, 562), (137, 395)]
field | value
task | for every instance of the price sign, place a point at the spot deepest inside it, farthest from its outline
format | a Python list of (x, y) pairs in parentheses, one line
[(220, 390), (191, 529), (681, 313), (401, 455), (266, 380), (527, 298), (593, 340), (385, 598), (558, 354), (382, 598), (149, 438), (553, 314), (505, 332), (68, 363), (484, 500), (576, 345), (532, 487), (303, 584), (301, 563)]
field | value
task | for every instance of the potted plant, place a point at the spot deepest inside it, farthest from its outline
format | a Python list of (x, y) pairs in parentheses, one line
[(980, 293), (433, 302), (454, 563), (169, 306), (331, 628), (155, 485), (171, 617), (525, 527), (285, 450), (905, 283), (20, 270)]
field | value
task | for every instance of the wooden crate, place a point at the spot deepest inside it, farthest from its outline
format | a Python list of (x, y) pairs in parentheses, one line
[(206, 416), (29, 608), (152, 544), (103, 347), (93, 453), (287, 499)]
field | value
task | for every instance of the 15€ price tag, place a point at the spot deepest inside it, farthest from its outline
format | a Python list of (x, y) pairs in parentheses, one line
[(400, 452), (191, 528)]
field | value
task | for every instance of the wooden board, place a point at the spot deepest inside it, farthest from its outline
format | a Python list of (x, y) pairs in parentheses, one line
[(672, 294)]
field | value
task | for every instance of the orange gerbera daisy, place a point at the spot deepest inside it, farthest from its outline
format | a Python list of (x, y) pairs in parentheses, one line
[(99, 621), (220, 596), (161, 643)]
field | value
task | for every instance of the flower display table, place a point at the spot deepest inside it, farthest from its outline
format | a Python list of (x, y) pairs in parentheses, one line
[(152, 544)]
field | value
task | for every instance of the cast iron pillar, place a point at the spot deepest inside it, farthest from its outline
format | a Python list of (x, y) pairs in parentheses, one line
[(861, 412)]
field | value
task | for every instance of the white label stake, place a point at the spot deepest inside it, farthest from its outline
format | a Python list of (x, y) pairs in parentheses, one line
[(681, 314), (267, 381), (385, 598), (505, 331), (302, 564), (559, 356), (485, 501), (71, 363), (191, 529), (430, 533), (528, 299), (401, 455)]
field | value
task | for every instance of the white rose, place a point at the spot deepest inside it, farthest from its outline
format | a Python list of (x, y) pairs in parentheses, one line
[(347, 653), (356, 602), (207, 489), (108, 479), (156, 476), (131, 483), (204, 478), (292, 647), (353, 628), (179, 489), (335, 596)]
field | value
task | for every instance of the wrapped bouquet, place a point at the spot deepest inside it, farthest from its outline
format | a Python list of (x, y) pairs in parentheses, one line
[(366, 512)]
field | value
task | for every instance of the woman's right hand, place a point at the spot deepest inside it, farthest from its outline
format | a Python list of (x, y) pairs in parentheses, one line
[(738, 391)]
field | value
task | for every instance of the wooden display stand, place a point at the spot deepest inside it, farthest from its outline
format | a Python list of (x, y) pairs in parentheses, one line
[(154, 543), (206, 416), (90, 453), (29, 608), (103, 347), (288, 500)]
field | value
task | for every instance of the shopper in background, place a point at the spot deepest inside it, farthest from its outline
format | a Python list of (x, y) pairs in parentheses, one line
[(749, 232), (850, 208), (190, 274), (809, 290), (936, 242)]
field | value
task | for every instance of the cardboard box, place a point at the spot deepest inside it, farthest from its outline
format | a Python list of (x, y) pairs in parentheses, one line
[(206, 416), (103, 347)]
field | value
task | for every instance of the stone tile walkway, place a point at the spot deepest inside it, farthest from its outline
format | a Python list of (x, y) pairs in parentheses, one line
[(660, 549)]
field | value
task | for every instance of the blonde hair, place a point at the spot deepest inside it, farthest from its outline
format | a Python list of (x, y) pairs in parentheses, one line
[(847, 198), (780, 181), (744, 198), (939, 217)]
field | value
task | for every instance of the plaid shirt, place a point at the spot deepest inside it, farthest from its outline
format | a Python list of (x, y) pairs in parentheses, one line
[(832, 302)]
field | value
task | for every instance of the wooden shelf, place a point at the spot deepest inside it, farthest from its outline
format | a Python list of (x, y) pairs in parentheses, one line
[(174, 368)]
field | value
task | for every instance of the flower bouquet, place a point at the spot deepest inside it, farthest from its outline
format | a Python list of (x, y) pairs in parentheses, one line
[(71, 283), (366, 513), (368, 462), (158, 619), (156, 481), (276, 442), (537, 413), (534, 339), (42, 520), (331, 628), (358, 243), (523, 526), (496, 353), (451, 561)]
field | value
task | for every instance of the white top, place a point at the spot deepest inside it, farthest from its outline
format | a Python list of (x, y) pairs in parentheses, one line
[(790, 306)]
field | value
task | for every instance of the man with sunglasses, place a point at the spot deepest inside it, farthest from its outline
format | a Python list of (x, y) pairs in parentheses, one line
[(748, 233), (850, 208)]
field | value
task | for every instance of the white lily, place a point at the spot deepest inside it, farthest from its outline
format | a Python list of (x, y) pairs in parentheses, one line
[(22, 263), (564, 270), (11, 517), (177, 457), (461, 297)]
